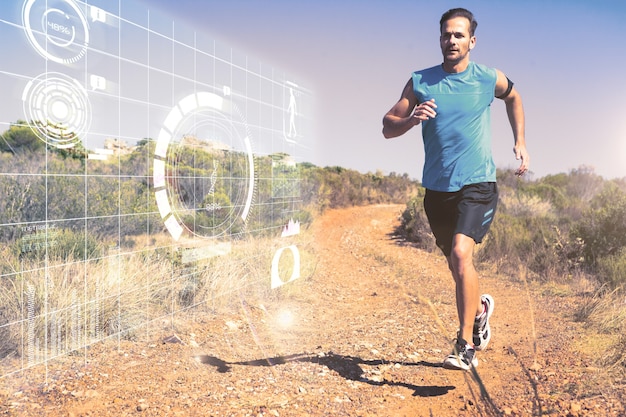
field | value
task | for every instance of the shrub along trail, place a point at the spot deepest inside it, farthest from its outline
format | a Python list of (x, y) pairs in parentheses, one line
[(363, 335)]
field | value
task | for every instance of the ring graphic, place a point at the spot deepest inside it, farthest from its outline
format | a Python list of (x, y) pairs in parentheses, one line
[(57, 29), (295, 273), (57, 109), (203, 169)]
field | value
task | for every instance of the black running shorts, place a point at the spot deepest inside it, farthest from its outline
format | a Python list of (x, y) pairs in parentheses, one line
[(469, 211)]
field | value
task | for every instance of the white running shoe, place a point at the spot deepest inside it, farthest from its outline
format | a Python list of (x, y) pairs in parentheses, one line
[(482, 331), (463, 357)]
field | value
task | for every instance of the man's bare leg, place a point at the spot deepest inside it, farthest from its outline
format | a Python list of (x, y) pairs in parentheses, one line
[(461, 265)]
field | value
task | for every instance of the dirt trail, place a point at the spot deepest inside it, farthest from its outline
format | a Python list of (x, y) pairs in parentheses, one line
[(368, 332)]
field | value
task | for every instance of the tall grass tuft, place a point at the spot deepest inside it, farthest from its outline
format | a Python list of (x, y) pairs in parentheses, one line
[(72, 303)]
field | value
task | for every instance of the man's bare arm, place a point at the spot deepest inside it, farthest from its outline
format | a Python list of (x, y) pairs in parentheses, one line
[(515, 113), (407, 113)]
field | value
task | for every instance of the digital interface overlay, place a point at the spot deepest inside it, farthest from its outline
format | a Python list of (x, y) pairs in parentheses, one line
[(139, 158)]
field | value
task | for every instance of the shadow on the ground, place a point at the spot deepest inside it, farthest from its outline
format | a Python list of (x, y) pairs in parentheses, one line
[(349, 367)]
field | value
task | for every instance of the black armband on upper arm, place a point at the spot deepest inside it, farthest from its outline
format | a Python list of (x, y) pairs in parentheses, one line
[(508, 89)]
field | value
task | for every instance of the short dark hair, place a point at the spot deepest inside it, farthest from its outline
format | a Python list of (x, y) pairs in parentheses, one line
[(459, 12)]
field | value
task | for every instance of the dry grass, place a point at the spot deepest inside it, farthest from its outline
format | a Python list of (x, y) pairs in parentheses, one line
[(518, 204), (605, 313), (64, 306)]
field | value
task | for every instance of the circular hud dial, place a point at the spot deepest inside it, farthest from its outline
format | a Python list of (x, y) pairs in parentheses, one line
[(57, 29), (204, 168), (57, 108)]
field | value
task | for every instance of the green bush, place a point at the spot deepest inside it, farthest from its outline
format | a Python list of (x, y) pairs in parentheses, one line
[(65, 245), (611, 269), (603, 226), (414, 225)]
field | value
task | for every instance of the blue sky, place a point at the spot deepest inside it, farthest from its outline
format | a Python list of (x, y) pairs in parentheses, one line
[(565, 57)]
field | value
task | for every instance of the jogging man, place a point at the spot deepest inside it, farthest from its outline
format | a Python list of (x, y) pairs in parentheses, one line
[(452, 102)]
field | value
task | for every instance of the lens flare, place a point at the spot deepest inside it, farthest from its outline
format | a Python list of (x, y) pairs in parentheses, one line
[(285, 318)]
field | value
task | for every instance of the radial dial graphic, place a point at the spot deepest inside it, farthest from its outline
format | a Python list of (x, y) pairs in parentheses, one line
[(204, 168), (57, 29), (57, 108)]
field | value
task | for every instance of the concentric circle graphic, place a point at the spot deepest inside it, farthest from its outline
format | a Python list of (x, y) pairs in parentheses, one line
[(204, 168), (57, 29), (57, 109)]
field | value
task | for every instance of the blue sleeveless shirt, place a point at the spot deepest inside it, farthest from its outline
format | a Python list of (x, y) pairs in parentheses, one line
[(457, 142)]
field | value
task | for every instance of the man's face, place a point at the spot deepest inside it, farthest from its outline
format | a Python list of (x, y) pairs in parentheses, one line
[(455, 39)]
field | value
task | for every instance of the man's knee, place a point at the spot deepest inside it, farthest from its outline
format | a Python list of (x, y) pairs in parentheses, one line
[(462, 253)]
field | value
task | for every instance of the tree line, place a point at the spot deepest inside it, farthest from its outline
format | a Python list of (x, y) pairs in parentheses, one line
[(95, 203)]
